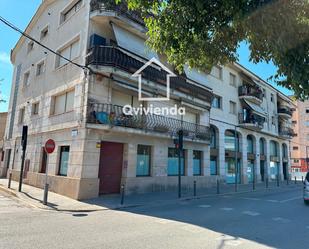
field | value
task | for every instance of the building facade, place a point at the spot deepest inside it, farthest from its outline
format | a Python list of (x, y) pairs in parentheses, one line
[(300, 142), (229, 113), (3, 117)]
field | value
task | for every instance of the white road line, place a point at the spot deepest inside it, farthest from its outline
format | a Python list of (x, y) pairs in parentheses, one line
[(204, 206), (227, 209), (164, 221), (275, 201), (251, 213), (280, 219), (251, 199), (291, 199), (229, 240)]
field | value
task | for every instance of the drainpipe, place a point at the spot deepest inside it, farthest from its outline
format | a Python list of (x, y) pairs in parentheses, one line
[(236, 161)]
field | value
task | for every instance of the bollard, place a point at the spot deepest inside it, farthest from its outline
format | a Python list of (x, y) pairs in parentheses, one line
[(194, 188), (266, 182), (295, 180), (10, 180), (45, 194), (122, 194), (218, 187)]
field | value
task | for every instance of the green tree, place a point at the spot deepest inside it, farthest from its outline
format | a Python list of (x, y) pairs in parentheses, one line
[(202, 33)]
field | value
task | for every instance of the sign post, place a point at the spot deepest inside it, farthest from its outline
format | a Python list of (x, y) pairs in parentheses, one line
[(24, 147), (49, 148)]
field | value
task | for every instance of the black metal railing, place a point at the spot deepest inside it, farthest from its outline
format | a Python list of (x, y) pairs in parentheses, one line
[(250, 118), (113, 115), (285, 110), (120, 58), (121, 8), (247, 90), (286, 131)]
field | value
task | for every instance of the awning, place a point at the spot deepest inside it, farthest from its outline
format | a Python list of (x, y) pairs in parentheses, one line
[(133, 43), (256, 109)]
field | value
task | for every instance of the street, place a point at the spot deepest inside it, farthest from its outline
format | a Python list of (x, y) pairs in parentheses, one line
[(266, 219)]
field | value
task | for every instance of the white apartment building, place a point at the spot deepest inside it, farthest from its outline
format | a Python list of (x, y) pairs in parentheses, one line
[(99, 148)]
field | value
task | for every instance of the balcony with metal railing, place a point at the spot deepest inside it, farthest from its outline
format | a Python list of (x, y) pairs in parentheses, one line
[(251, 93), (129, 62), (110, 6), (251, 121), (113, 116), (286, 131), (285, 112)]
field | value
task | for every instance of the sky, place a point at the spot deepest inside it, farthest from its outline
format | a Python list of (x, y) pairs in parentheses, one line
[(20, 12)]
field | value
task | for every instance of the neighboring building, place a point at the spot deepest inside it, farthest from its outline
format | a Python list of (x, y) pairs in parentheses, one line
[(3, 117), (300, 143), (98, 146)]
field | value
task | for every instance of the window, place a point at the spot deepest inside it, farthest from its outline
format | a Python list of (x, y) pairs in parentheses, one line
[(44, 33), (21, 115), (271, 97), (213, 165), (295, 147), (26, 78), (250, 145), (307, 110), (40, 68), (273, 148), (64, 160), (296, 160), (71, 11), (232, 79), (143, 160), (232, 107), (216, 71), (273, 120), (229, 140), (172, 166), (197, 163), (213, 137), (30, 46), (35, 108), (69, 52), (262, 147), (294, 122), (64, 103), (216, 102)]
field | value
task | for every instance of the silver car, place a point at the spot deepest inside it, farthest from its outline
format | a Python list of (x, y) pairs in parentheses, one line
[(306, 189)]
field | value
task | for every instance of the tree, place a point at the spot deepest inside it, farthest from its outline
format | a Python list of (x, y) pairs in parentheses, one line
[(1, 99), (203, 33)]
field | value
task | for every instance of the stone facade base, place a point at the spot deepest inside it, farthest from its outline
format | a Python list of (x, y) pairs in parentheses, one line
[(75, 188)]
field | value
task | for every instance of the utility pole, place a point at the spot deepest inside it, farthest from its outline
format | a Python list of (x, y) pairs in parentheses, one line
[(179, 145), (24, 146)]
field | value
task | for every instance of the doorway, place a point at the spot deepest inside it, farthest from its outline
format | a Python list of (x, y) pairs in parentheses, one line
[(110, 169)]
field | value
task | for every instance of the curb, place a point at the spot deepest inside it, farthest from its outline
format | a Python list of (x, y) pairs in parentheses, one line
[(7, 190)]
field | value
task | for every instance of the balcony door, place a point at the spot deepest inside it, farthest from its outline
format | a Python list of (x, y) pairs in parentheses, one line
[(110, 169)]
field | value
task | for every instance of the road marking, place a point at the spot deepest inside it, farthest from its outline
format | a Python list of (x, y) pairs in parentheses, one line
[(251, 213), (291, 199), (193, 228), (251, 199), (164, 221), (280, 219), (273, 201), (227, 209), (204, 206)]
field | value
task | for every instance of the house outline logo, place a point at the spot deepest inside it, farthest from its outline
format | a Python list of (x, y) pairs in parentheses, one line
[(138, 74)]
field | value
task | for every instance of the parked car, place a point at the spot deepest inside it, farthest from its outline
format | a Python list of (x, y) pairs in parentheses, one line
[(306, 189)]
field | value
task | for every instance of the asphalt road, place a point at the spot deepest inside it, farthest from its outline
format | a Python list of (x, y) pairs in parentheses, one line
[(272, 219)]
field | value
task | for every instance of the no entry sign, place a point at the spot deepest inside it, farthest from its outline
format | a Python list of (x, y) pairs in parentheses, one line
[(50, 146)]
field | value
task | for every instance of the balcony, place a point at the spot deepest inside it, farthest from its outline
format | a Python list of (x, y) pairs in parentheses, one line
[(251, 121), (121, 59), (109, 6), (285, 112), (112, 115), (250, 93), (286, 132)]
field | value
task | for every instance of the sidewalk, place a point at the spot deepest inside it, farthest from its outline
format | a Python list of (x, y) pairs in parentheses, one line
[(33, 196)]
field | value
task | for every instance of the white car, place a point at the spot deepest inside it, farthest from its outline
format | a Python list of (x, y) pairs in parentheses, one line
[(306, 189)]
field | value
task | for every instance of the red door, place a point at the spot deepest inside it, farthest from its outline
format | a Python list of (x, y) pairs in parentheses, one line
[(110, 170)]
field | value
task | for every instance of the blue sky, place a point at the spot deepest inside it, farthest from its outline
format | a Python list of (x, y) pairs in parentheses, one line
[(19, 12)]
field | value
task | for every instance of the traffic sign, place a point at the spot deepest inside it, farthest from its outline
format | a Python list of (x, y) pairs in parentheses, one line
[(50, 146)]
